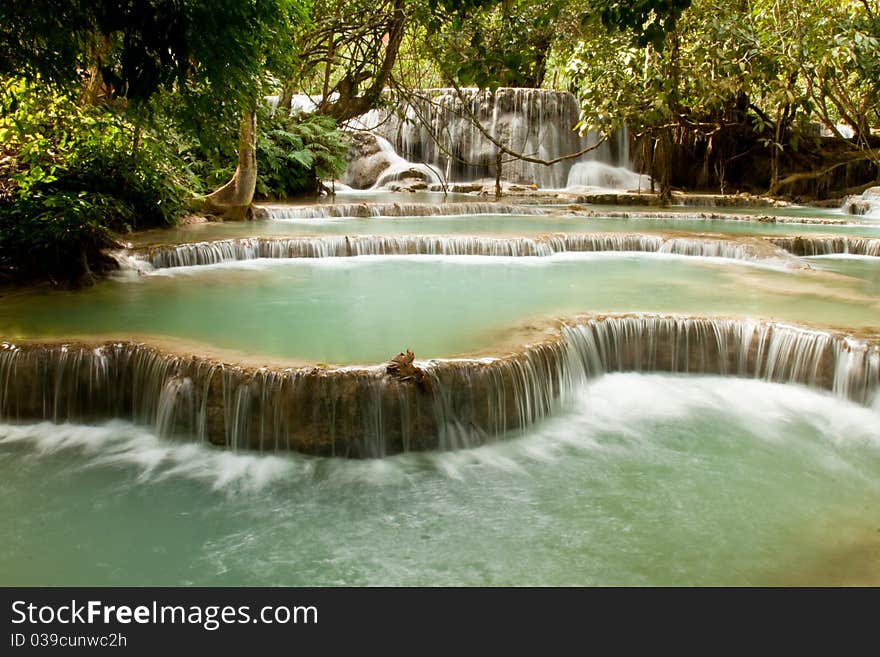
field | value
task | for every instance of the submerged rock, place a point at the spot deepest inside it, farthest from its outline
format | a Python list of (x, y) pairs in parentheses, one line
[(413, 183)]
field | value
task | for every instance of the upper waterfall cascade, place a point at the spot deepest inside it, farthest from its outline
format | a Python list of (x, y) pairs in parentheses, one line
[(450, 132)]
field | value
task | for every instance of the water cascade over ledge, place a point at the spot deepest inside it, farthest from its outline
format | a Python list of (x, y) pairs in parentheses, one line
[(866, 204), (817, 245), (361, 412), (220, 251), (367, 210), (438, 127)]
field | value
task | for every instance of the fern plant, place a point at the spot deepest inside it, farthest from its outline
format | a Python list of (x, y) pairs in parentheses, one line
[(296, 153)]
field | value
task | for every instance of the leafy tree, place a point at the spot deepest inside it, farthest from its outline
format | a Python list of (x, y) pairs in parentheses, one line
[(347, 56), (766, 70), (837, 51), (211, 52), (495, 44), (90, 86), (72, 180), (648, 21)]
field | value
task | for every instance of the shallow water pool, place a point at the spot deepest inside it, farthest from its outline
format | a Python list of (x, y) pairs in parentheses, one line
[(366, 309)]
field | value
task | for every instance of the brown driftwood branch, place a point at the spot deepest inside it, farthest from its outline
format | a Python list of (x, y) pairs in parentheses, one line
[(402, 368)]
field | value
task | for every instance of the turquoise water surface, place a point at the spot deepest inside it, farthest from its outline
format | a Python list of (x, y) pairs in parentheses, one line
[(655, 480), (366, 309)]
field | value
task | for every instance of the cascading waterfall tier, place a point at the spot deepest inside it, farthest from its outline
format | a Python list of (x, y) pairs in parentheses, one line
[(817, 245), (210, 253), (583, 211), (373, 163), (368, 210), (437, 126), (361, 412), (365, 210)]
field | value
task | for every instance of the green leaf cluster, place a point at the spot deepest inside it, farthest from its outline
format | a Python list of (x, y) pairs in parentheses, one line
[(73, 175), (295, 153)]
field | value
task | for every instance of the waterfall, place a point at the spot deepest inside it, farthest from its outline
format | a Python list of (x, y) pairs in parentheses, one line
[(689, 246), (816, 245), (367, 210), (400, 168), (605, 176), (299, 103), (441, 245), (436, 126), (866, 204), (175, 400), (360, 412), (599, 242), (251, 248)]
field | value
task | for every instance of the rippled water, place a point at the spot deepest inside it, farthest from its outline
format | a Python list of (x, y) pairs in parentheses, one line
[(646, 480)]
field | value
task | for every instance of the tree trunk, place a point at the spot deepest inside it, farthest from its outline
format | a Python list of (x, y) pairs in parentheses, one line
[(542, 53), (666, 163), (285, 98), (667, 138), (233, 200), (498, 166)]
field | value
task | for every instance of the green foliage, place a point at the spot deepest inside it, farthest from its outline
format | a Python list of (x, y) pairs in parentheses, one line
[(837, 48), (810, 62), (734, 75), (493, 44), (295, 153), (648, 21), (129, 103), (211, 57), (137, 179), (46, 40), (57, 235), (490, 44), (142, 46), (72, 176), (52, 144)]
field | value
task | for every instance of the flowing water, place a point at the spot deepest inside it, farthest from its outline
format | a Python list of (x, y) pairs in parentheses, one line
[(437, 126), (498, 224), (337, 310), (146, 260), (571, 461), (645, 480)]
